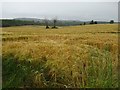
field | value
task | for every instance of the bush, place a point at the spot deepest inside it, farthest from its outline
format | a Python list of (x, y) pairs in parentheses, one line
[(111, 21)]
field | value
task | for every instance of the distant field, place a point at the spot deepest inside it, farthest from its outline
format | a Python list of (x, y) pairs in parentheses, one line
[(70, 57)]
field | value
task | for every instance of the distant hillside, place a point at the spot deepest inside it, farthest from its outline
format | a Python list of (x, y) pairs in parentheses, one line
[(12, 22), (41, 22), (30, 19), (50, 22)]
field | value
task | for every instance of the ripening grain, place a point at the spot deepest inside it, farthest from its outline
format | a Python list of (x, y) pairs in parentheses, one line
[(74, 56)]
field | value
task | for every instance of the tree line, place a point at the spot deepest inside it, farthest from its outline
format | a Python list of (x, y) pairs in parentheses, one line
[(8, 23), (47, 23)]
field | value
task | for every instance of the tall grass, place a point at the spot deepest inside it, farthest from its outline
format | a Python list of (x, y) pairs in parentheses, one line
[(64, 58)]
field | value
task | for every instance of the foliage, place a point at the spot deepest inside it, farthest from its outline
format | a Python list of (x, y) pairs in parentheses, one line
[(8, 23), (93, 22), (111, 21)]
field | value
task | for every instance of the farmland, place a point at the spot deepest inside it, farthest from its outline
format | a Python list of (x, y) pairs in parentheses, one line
[(67, 57)]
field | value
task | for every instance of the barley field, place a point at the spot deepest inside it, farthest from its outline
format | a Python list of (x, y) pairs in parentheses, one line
[(68, 57)]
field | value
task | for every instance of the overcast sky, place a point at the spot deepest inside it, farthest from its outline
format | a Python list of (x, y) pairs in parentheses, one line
[(103, 11), (59, 0)]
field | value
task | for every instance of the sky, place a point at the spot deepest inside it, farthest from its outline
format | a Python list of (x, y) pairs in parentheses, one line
[(84, 11), (60, 0)]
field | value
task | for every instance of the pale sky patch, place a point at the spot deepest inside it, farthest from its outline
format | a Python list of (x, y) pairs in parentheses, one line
[(103, 11)]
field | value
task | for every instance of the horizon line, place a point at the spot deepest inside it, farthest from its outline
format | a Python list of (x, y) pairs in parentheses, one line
[(61, 19)]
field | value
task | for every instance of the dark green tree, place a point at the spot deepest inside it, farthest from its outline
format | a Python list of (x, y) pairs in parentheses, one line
[(46, 23), (92, 22), (95, 22), (111, 21), (84, 23), (54, 22)]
